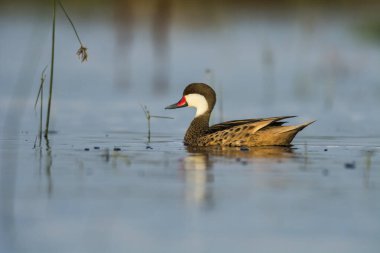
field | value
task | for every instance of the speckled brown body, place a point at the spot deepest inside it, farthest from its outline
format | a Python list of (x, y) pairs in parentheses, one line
[(237, 133), (253, 132)]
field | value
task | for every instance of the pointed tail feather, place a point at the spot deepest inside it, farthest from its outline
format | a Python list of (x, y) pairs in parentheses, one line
[(298, 127)]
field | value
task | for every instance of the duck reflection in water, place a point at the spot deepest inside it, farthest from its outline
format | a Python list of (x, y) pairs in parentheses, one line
[(198, 164), (196, 168), (268, 152)]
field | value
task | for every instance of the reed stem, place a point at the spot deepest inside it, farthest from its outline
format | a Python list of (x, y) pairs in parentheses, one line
[(41, 97), (71, 22), (147, 116), (51, 71), (41, 112)]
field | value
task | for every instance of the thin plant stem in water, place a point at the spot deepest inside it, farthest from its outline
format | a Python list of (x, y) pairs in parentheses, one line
[(221, 114), (40, 97), (148, 116), (51, 70), (82, 53)]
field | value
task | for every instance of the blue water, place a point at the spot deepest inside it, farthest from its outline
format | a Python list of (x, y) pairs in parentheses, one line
[(171, 199), (320, 196)]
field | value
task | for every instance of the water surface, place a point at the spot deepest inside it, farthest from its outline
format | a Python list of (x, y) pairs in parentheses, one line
[(101, 187)]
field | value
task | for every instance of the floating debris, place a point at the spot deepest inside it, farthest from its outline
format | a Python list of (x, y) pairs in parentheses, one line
[(96, 147), (325, 149), (116, 149), (86, 149), (351, 165)]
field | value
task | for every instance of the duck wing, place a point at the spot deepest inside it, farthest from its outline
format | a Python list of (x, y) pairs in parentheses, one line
[(274, 121)]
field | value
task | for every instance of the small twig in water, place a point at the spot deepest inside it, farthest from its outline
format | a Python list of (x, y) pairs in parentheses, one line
[(148, 116)]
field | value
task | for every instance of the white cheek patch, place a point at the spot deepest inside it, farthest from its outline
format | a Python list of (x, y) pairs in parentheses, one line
[(197, 101)]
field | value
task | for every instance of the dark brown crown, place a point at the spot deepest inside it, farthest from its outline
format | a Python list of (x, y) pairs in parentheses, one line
[(204, 90)]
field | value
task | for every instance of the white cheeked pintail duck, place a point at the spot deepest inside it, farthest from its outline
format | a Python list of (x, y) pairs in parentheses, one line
[(237, 133)]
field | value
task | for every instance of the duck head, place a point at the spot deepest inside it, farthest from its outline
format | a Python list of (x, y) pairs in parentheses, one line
[(198, 95)]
